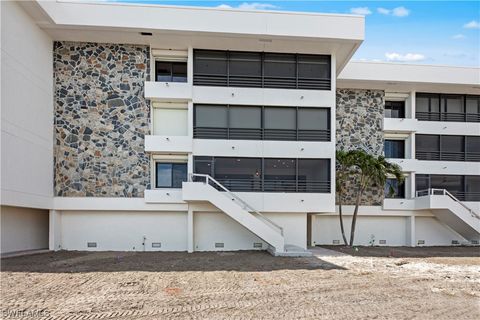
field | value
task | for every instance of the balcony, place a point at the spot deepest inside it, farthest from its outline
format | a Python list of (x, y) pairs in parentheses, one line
[(154, 143), (168, 91), (400, 124)]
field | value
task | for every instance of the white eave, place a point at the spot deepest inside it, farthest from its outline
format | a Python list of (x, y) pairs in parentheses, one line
[(292, 31), (400, 77)]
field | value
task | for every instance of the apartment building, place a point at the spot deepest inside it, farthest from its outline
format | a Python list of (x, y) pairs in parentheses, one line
[(158, 128)]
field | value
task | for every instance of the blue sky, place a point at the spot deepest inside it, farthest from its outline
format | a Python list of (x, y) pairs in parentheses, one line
[(426, 32)]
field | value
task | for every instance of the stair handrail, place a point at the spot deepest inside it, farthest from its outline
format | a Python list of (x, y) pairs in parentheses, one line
[(445, 192), (245, 205)]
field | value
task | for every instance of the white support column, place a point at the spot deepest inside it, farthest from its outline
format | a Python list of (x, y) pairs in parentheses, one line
[(412, 185), (190, 230), (55, 230), (412, 104), (411, 231), (312, 230)]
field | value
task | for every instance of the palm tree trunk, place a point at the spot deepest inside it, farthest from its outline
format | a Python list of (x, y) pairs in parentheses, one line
[(341, 218), (355, 213)]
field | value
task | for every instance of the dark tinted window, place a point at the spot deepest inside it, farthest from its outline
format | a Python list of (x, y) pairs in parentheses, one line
[(424, 142), (171, 71), (279, 65), (393, 189), (245, 117), (213, 116), (280, 118), (452, 183), (313, 175), (452, 143), (280, 174), (395, 149), (245, 64), (313, 119), (472, 184), (394, 109), (210, 62), (422, 182), (452, 104), (313, 67), (170, 175)]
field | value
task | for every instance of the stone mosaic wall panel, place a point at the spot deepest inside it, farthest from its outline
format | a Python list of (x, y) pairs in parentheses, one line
[(360, 126), (101, 119)]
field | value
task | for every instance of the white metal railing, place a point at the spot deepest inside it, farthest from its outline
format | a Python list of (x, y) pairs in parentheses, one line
[(444, 192), (236, 198)]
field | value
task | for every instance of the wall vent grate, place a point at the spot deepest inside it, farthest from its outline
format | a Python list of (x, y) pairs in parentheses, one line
[(455, 242), (474, 241), (219, 245), (382, 241), (91, 244), (336, 241), (156, 244), (257, 245), (421, 242)]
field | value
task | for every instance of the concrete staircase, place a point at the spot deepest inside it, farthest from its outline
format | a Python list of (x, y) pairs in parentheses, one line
[(236, 208), (450, 211)]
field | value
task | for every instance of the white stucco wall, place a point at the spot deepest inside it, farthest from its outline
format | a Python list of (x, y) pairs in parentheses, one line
[(392, 229), (123, 231), (23, 229), (215, 227), (434, 232), (26, 110)]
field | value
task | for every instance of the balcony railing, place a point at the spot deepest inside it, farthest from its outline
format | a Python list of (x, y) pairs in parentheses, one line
[(448, 117), (261, 134), (447, 156), (274, 185)]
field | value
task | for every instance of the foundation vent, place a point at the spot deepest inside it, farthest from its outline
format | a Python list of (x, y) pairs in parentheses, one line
[(336, 241), (219, 245), (156, 244), (474, 241), (91, 244), (421, 242), (382, 241), (455, 242), (257, 244)]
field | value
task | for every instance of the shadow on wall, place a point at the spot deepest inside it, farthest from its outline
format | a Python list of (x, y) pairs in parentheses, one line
[(110, 261)]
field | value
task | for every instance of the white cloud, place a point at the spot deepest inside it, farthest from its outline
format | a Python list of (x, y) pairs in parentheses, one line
[(458, 36), (400, 12), (472, 25), (397, 12), (250, 6), (383, 11), (361, 11), (408, 57)]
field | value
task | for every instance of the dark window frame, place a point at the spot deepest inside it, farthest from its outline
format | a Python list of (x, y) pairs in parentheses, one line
[(397, 195), (398, 106), (259, 185), (441, 155), (172, 163), (462, 195), (172, 76), (262, 133), (400, 141), (443, 114), (265, 81)]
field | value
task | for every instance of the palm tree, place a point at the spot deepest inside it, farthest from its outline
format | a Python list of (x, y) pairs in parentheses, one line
[(344, 162), (370, 170)]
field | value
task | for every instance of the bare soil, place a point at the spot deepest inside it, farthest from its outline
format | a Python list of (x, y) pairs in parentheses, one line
[(368, 283)]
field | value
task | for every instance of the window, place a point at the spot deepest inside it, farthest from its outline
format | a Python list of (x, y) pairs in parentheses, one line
[(465, 188), (395, 149), (394, 109), (170, 120), (280, 123), (447, 107), (170, 175), (269, 175), (211, 122), (452, 148), (261, 123), (280, 175), (393, 189), (259, 69), (313, 175), (447, 148), (166, 71)]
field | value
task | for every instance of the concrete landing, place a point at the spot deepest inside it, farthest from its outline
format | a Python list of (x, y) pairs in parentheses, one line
[(291, 250)]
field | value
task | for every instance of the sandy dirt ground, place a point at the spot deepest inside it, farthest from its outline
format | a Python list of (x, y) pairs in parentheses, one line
[(368, 283)]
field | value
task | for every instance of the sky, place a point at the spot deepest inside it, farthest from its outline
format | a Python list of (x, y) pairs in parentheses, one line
[(423, 32)]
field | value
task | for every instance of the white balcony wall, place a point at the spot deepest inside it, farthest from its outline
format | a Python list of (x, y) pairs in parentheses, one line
[(168, 91)]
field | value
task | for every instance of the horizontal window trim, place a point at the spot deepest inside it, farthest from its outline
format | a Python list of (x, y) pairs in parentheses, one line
[(262, 80), (441, 155), (446, 116), (262, 133), (270, 185)]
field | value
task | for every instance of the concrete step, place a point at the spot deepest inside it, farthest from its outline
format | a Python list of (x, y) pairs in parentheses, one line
[(291, 250)]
